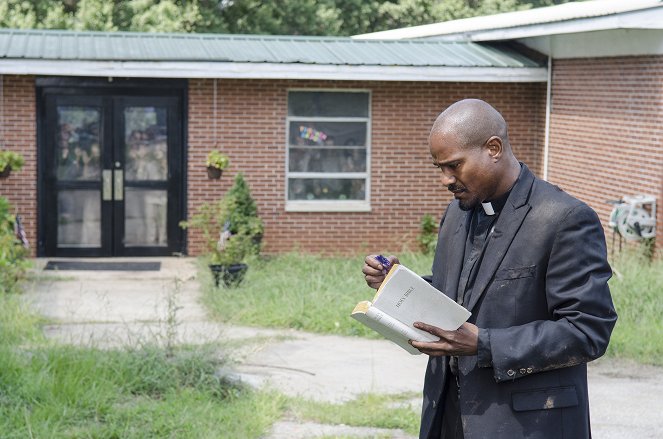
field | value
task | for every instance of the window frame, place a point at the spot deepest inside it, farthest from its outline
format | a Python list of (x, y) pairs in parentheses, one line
[(329, 205)]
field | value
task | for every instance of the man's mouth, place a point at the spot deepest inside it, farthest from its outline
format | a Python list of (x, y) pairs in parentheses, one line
[(456, 189)]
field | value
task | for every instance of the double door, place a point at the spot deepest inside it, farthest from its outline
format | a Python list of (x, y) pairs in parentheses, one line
[(112, 180)]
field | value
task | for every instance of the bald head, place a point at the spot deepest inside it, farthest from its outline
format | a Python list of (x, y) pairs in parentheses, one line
[(472, 122)]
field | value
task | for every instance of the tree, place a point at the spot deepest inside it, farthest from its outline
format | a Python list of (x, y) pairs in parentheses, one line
[(276, 17)]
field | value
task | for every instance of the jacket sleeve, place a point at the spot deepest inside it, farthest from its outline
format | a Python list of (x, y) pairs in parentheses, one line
[(581, 311)]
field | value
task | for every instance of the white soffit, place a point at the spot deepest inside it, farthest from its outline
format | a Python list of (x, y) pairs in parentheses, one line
[(646, 19), (616, 42)]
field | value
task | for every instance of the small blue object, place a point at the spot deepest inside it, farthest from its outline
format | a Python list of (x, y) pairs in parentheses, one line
[(385, 263)]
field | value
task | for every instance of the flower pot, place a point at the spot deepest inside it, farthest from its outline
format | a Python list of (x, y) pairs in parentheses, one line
[(214, 173), (231, 275), (5, 172)]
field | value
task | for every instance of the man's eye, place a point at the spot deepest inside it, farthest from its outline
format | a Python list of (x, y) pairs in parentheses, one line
[(453, 165)]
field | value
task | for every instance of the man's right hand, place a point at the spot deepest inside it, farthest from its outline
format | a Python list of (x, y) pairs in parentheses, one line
[(374, 272)]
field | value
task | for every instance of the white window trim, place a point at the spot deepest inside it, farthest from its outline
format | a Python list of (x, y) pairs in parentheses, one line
[(330, 205)]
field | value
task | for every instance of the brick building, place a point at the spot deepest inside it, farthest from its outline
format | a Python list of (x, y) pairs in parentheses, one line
[(604, 96), (330, 133)]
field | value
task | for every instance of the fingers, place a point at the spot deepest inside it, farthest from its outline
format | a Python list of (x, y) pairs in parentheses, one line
[(373, 272), (463, 341), (432, 329), (393, 259), (372, 265)]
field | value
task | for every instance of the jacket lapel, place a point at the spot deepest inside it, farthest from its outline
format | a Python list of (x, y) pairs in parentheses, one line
[(454, 255), (512, 216)]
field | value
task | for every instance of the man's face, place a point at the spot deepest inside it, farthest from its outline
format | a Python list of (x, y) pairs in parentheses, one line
[(466, 171)]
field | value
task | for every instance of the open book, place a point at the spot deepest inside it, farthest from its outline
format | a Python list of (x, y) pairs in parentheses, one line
[(404, 298)]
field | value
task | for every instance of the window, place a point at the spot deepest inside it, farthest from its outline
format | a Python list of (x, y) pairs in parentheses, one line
[(328, 151)]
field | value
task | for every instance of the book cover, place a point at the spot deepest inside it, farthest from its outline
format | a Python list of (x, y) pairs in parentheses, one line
[(404, 298)]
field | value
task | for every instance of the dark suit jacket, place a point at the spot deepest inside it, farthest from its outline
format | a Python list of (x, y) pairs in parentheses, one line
[(543, 306)]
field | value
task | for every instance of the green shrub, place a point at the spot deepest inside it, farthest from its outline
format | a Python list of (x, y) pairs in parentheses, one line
[(237, 212), (12, 160), (13, 263), (428, 235)]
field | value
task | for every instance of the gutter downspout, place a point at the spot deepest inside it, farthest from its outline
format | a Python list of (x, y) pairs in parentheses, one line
[(546, 141)]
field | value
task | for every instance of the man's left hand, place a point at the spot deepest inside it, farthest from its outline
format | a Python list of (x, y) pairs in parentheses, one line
[(462, 341)]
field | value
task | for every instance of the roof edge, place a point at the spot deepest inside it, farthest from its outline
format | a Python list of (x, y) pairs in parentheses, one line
[(236, 70)]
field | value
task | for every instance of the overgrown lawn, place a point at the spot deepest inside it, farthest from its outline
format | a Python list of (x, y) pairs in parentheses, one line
[(317, 294), (311, 293), (55, 391)]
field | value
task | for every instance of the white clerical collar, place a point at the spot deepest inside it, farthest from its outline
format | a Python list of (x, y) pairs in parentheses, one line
[(488, 208)]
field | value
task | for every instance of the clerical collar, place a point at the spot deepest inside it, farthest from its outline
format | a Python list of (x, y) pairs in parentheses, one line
[(495, 206)]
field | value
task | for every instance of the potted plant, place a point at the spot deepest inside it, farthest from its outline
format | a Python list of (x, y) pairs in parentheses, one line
[(232, 230), (216, 162), (228, 259), (9, 161)]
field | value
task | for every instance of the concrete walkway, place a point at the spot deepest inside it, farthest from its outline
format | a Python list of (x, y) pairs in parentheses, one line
[(115, 309)]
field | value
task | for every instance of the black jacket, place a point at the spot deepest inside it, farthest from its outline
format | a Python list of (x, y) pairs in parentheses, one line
[(543, 306)]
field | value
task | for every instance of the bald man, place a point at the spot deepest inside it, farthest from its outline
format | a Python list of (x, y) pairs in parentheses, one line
[(529, 262)]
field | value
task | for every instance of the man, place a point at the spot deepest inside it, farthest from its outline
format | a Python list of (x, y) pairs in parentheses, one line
[(529, 262)]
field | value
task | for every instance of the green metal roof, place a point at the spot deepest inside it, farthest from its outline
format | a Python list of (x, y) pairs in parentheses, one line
[(143, 47)]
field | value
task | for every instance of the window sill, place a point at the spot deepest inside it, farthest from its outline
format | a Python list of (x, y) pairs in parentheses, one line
[(327, 206)]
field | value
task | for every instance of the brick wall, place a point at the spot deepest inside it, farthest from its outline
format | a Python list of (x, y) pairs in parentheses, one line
[(19, 134), (250, 128), (607, 130)]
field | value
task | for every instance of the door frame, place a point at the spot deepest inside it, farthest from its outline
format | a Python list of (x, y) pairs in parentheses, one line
[(110, 88)]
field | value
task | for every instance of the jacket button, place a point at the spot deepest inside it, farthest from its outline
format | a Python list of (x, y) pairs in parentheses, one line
[(434, 404), (530, 370), (523, 371), (511, 372)]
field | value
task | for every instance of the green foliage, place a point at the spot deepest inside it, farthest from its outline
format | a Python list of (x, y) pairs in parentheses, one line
[(368, 410), (217, 159), (241, 209), (237, 212), (11, 159), (428, 235), (13, 262), (164, 15), (637, 291), (283, 17), (317, 294), (301, 291), (50, 391)]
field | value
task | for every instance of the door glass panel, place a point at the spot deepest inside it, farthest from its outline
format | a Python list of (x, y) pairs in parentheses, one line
[(79, 218), (145, 217), (146, 140), (77, 139)]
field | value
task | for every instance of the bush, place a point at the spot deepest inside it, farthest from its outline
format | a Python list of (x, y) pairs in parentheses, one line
[(428, 235), (13, 263), (236, 214)]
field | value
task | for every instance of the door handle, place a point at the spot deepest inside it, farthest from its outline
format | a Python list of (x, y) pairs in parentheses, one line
[(107, 185), (118, 185)]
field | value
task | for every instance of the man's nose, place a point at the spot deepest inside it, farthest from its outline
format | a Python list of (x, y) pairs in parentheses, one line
[(447, 180)]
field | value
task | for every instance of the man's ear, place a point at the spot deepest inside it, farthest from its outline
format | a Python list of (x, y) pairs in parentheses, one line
[(495, 148)]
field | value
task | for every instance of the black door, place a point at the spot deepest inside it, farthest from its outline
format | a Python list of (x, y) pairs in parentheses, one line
[(112, 174)]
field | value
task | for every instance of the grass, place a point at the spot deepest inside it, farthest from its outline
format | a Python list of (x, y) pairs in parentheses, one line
[(146, 391), (310, 293), (637, 291), (317, 294), (368, 410), (55, 391)]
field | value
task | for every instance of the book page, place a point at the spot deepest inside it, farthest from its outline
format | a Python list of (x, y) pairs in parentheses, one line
[(407, 297), (389, 328)]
